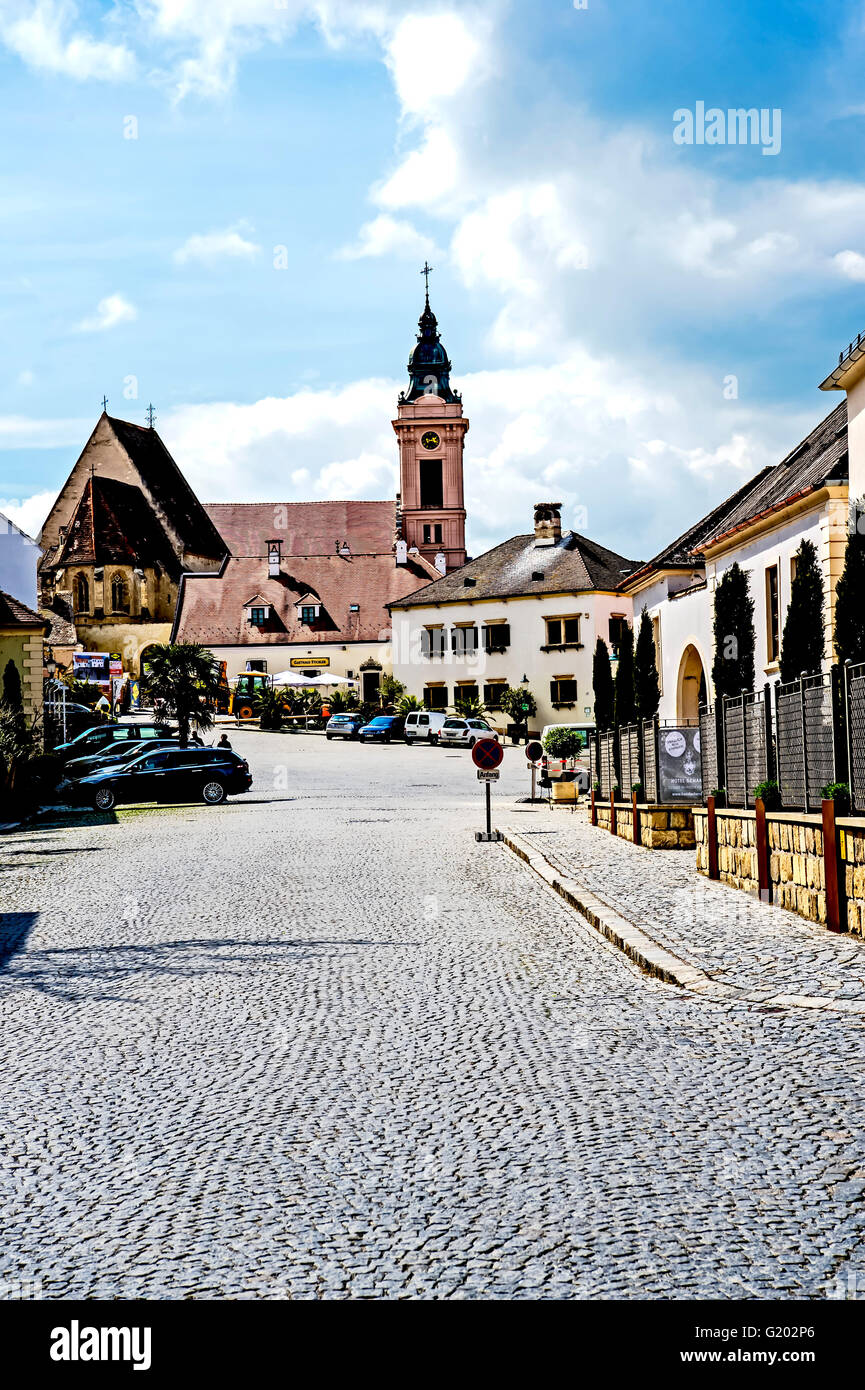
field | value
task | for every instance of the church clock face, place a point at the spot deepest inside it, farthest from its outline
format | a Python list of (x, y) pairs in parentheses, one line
[(430, 440)]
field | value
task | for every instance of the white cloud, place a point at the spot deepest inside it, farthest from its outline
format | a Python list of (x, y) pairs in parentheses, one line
[(214, 246), (851, 264), (29, 514), (110, 311), (25, 378), (43, 35), (389, 236), (434, 56)]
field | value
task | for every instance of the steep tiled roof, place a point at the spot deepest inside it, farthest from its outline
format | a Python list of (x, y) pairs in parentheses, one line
[(16, 614), (61, 630), (305, 528), (169, 488), (820, 458), (115, 524), (210, 608), (574, 563)]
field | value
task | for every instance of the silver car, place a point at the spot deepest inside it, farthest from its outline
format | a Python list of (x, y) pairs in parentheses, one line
[(464, 733)]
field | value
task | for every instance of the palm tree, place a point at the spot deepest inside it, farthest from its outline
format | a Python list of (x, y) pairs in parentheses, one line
[(182, 682), (407, 703), (341, 700), (470, 707), (270, 707)]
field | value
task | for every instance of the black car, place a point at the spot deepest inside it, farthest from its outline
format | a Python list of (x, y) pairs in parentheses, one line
[(94, 740), (114, 753), (344, 726), (384, 727), (166, 774)]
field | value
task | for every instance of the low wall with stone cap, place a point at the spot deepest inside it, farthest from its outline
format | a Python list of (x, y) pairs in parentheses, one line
[(660, 826), (797, 873)]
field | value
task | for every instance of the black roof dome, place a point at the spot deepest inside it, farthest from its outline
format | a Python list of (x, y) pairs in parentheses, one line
[(429, 365)]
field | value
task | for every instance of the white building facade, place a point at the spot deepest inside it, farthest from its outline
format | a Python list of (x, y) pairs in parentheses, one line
[(527, 614)]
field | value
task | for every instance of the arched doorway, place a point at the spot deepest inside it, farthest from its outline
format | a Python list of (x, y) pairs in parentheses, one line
[(144, 660), (691, 686)]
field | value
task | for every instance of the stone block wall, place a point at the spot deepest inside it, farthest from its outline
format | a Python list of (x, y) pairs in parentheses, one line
[(796, 866), (661, 827)]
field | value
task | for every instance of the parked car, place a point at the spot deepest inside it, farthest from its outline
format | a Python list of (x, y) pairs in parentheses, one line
[(464, 733), (113, 754), (166, 774), (571, 769), (79, 718), (424, 726), (344, 725), (92, 740), (385, 727)]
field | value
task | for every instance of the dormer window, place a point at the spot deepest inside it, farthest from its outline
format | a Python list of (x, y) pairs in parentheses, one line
[(257, 611), (308, 609), (257, 617)]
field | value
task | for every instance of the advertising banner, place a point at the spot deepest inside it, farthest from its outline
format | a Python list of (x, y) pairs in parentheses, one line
[(92, 666), (680, 772)]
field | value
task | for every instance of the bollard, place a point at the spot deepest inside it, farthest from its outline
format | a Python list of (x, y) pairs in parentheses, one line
[(712, 837), (636, 818), (761, 841), (836, 910), (612, 811)]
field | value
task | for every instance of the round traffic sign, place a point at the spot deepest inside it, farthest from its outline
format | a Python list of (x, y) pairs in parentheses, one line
[(534, 750), (487, 753)]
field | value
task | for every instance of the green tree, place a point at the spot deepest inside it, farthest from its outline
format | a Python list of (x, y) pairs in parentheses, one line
[(624, 689), (733, 665), (850, 601), (390, 690), (518, 702), (182, 682), (602, 681), (647, 685), (341, 700), (802, 646), (564, 743)]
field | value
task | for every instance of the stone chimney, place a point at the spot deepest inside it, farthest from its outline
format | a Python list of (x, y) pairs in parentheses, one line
[(548, 523), (274, 556)]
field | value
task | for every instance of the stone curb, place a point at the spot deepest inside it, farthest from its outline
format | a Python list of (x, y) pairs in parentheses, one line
[(650, 955)]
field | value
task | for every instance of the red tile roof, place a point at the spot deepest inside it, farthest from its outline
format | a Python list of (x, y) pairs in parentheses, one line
[(13, 613), (210, 608), (305, 528)]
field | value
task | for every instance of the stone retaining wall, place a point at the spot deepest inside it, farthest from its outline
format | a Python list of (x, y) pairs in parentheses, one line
[(796, 865), (661, 827)]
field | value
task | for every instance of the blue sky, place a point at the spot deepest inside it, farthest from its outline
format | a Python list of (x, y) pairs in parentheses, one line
[(596, 284)]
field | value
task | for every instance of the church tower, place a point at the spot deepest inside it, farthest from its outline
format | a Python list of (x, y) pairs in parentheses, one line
[(431, 430)]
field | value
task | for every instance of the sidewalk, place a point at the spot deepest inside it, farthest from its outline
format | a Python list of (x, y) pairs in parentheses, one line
[(733, 942)]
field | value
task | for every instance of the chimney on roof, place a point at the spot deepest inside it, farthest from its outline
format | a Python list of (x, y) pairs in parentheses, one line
[(548, 523), (441, 562), (274, 556)]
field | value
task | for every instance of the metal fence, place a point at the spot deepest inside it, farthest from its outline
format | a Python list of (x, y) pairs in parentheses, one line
[(810, 738), (630, 768), (854, 718), (649, 735), (747, 744), (603, 763)]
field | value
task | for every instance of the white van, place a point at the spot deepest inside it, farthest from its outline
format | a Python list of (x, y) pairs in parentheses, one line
[(424, 725)]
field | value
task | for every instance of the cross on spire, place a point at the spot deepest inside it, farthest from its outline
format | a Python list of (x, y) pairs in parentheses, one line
[(426, 274), (151, 415), (104, 403)]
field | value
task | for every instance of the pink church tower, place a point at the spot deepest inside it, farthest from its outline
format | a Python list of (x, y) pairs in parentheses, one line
[(431, 431)]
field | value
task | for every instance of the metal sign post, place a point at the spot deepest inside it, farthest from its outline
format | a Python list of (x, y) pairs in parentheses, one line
[(486, 756), (534, 750)]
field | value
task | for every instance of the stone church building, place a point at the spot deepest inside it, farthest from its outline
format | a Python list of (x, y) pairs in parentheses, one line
[(267, 586)]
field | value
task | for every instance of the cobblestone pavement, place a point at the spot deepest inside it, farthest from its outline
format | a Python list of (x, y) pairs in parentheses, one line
[(737, 940), (320, 1043)]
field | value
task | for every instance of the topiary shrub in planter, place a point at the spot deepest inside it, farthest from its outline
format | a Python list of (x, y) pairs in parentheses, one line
[(638, 788), (720, 795), (769, 793), (839, 792), (563, 743)]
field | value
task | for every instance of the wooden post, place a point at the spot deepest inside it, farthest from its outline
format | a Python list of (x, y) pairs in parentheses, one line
[(594, 820), (836, 902), (762, 842), (636, 816), (612, 811), (712, 837)]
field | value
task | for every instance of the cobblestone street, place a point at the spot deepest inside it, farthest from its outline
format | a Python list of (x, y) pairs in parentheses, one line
[(321, 1043)]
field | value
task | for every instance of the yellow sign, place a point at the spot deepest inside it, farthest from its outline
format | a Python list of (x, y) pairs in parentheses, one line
[(310, 661)]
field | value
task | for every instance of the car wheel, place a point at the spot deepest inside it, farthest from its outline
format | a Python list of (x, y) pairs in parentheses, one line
[(213, 792), (104, 799), (328, 737), (387, 740), (472, 742)]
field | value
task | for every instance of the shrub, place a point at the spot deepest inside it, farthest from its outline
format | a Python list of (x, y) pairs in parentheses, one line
[(769, 793), (602, 684), (720, 795), (839, 792), (563, 743)]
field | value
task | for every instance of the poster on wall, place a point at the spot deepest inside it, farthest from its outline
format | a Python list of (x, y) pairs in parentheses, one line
[(91, 666), (680, 770)]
